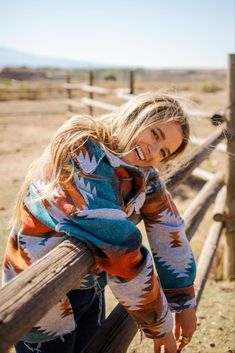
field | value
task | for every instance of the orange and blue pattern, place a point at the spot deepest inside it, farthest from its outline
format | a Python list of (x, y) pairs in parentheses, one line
[(97, 206)]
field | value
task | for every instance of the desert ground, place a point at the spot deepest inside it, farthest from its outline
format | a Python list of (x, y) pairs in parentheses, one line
[(27, 123)]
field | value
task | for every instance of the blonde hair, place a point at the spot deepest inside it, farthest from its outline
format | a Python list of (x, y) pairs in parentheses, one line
[(115, 131)]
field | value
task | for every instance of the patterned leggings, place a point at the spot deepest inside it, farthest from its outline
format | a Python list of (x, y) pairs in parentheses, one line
[(88, 318)]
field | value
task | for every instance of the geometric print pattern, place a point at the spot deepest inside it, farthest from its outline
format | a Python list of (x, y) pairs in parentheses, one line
[(97, 206)]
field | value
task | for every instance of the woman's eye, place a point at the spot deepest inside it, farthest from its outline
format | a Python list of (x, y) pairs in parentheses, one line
[(155, 134), (163, 153)]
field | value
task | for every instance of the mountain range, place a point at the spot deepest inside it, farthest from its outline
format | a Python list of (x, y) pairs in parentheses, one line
[(12, 57)]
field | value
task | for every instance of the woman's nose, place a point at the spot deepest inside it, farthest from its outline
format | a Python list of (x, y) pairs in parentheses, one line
[(154, 148)]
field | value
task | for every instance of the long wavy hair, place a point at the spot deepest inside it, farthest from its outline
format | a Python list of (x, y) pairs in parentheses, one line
[(115, 131)]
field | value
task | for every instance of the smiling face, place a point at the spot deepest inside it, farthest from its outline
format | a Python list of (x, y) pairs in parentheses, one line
[(154, 144)]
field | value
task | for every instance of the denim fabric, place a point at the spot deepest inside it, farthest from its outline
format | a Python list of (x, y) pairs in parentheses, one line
[(89, 309)]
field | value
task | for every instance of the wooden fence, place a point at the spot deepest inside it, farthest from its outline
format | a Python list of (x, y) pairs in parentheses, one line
[(26, 298), (91, 90), (91, 102)]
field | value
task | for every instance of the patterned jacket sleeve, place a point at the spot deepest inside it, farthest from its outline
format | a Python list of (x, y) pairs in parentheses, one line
[(116, 244), (171, 251)]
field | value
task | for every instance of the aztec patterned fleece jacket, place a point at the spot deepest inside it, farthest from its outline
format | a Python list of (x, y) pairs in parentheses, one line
[(97, 207)]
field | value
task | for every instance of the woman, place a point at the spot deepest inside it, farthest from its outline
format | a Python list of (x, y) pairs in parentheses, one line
[(96, 176)]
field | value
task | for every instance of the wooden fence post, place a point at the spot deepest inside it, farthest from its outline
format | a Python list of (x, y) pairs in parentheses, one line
[(69, 92), (132, 81), (91, 95), (229, 244)]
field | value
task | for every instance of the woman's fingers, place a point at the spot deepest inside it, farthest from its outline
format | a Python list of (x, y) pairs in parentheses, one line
[(185, 323), (182, 342), (177, 330), (185, 326), (157, 345), (157, 348), (167, 341)]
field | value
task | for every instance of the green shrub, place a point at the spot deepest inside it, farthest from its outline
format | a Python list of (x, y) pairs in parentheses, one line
[(210, 87), (6, 82), (110, 77)]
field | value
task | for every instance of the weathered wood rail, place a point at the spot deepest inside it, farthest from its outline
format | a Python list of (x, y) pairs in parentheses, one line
[(25, 299)]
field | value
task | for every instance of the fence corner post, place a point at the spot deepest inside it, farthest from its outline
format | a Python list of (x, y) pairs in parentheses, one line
[(69, 91), (132, 82), (91, 95), (229, 243)]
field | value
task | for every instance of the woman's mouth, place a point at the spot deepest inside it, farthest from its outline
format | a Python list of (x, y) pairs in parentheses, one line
[(139, 153)]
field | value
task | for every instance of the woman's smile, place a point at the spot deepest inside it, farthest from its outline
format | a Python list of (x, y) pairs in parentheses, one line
[(140, 153)]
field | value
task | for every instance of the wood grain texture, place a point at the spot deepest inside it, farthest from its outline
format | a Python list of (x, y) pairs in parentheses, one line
[(196, 211), (218, 211), (25, 299), (115, 334), (194, 159), (229, 243)]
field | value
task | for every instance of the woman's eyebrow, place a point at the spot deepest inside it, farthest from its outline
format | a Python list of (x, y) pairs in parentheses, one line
[(163, 136), (168, 152)]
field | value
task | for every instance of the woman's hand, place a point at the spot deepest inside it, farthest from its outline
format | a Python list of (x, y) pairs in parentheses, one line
[(185, 326), (168, 341)]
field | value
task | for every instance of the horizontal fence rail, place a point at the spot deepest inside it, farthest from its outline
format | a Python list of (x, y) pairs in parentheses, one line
[(26, 298), (210, 246), (218, 212), (194, 159), (202, 174), (87, 88), (97, 104), (118, 329), (196, 211), (221, 147)]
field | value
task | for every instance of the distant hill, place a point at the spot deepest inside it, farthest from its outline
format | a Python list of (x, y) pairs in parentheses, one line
[(25, 66), (14, 58)]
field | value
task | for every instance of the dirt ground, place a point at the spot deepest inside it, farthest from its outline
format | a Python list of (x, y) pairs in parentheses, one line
[(26, 127)]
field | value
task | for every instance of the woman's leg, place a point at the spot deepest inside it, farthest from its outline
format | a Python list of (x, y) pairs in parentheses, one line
[(89, 322), (89, 313)]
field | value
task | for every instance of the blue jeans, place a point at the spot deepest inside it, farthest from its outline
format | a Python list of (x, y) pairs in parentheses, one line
[(88, 313)]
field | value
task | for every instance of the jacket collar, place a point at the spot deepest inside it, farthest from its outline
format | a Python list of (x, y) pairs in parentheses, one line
[(89, 157), (91, 154)]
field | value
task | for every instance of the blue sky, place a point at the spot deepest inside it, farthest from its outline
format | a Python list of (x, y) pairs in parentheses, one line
[(149, 33)]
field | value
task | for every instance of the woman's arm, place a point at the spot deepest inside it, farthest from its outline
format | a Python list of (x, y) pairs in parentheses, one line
[(173, 259), (172, 254)]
